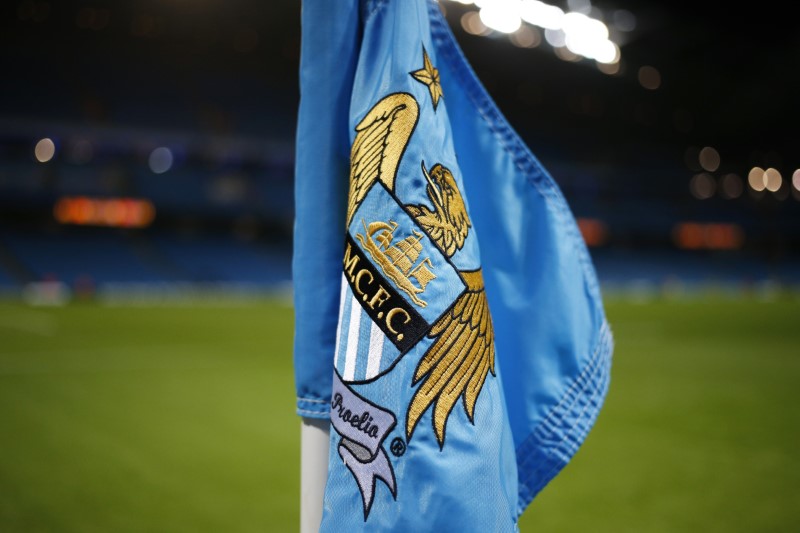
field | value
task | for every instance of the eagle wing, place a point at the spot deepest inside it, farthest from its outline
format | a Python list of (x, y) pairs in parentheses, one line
[(381, 138), (457, 363)]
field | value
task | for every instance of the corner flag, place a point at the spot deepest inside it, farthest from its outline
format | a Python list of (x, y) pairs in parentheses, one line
[(448, 317)]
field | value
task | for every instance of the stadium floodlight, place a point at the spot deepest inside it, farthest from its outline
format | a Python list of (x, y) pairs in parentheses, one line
[(501, 15), (540, 14)]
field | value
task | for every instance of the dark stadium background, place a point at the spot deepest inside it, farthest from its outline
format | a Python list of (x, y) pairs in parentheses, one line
[(215, 83), (146, 213)]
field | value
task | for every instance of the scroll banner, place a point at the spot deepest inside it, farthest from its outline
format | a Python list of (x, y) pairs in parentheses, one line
[(363, 427)]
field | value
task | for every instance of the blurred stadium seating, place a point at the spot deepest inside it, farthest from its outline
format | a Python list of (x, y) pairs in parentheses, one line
[(224, 213), (223, 210)]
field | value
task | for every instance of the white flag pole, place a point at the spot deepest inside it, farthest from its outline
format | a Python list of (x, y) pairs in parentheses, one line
[(314, 443)]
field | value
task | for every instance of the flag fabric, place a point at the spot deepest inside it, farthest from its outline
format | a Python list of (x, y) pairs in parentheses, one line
[(448, 317)]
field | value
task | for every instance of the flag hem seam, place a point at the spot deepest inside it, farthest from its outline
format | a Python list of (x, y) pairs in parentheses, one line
[(312, 407), (570, 422)]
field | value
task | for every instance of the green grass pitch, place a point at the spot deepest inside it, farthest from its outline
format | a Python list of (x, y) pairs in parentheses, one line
[(181, 418)]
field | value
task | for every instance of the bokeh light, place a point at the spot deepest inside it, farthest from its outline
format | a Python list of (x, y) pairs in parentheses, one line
[(594, 231), (709, 159), (160, 160), (581, 30), (556, 38), (471, 22), (501, 15), (526, 37), (624, 20), (45, 150), (649, 77), (565, 54), (543, 15), (588, 37), (702, 186), (731, 186), (112, 212), (708, 236), (755, 178), (772, 179), (609, 68)]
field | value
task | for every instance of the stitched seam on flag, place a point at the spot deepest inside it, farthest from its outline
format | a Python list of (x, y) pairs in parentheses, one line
[(579, 385), (573, 392), (310, 400), (560, 457), (321, 414), (585, 398), (551, 456), (581, 412), (311, 407), (510, 141)]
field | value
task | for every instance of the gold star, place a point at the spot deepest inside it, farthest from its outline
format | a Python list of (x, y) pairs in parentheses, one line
[(429, 75)]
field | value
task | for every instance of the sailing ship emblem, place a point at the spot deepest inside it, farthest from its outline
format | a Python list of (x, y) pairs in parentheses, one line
[(398, 260)]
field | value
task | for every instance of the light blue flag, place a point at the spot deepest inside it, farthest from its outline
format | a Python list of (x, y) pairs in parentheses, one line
[(457, 339)]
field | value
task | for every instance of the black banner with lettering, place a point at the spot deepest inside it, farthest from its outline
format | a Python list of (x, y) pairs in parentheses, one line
[(398, 319)]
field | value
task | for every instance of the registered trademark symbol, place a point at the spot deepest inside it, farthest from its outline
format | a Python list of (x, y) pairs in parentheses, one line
[(398, 447)]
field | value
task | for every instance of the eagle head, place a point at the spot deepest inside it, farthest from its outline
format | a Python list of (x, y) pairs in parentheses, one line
[(450, 212)]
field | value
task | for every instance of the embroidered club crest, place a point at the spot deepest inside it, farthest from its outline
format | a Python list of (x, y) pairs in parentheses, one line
[(400, 286)]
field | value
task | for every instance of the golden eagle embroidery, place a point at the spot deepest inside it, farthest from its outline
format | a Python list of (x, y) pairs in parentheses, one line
[(457, 363), (448, 224)]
